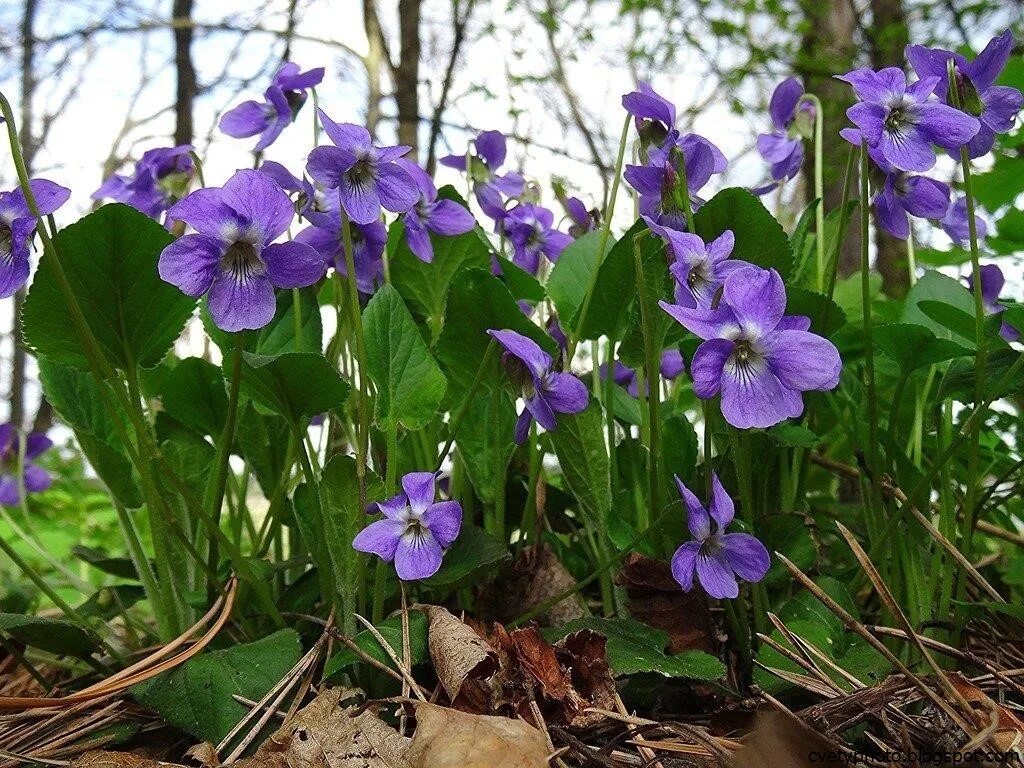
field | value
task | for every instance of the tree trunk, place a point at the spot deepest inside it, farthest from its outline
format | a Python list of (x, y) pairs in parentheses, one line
[(407, 75), (889, 36), (373, 62), (185, 70), (828, 47), (459, 23), (19, 357)]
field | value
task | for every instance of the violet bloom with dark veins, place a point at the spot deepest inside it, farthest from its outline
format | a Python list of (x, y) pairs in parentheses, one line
[(545, 391), (294, 82), (991, 286), (659, 182), (17, 225), (367, 177), (415, 530), (654, 115), (672, 365), (490, 187), (442, 217), (530, 229), (996, 106), (368, 243), (900, 119), (904, 195), (759, 360), (955, 224), (232, 256), (35, 478), (160, 177), (714, 556), (792, 121), (698, 269)]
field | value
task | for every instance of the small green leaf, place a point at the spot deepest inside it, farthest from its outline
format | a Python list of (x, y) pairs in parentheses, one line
[(789, 535), (198, 697), (634, 647), (760, 239), (485, 442), (56, 636), (826, 316), (961, 377), (790, 435), (410, 386), (293, 384), (472, 553), (280, 334), (193, 393), (570, 279), (121, 567), (615, 291), (914, 346), (391, 630), (110, 260), (578, 441)]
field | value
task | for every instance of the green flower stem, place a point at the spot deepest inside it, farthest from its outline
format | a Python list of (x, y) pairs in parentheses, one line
[(602, 243), (530, 526), (157, 596), (744, 472), (609, 413), (819, 188), (467, 401), (363, 432), (652, 379), (214, 498), (297, 311), (869, 349)]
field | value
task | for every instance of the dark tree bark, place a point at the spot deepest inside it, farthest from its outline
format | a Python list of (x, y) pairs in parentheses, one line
[(374, 60), (185, 70), (827, 47), (19, 357), (889, 36), (407, 75)]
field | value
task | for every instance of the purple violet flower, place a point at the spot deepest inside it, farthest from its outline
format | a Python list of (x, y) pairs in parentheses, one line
[(283, 99), (17, 225), (954, 223), (672, 365), (368, 243), (698, 269), (415, 530), (583, 220), (545, 391), (530, 229), (659, 181), (160, 177), (996, 106), (759, 360), (490, 187), (792, 121), (904, 195), (367, 177), (991, 286), (900, 119), (442, 217), (36, 478), (654, 115), (716, 557), (232, 255)]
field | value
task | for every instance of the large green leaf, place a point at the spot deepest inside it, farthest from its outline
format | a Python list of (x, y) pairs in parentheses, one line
[(472, 553), (936, 290), (198, 697), (914, 346), (634, 647), (478, 302), (571, 277), (409, 384), (292, 384), (57, 636), (615, 288), (79, 401), (110, 259), (425, 286), (760, 239), (961, 378), (485, 441), (391, 630), (578, 441), (193, 393)]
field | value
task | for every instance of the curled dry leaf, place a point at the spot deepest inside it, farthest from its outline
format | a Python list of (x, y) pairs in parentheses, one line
[(779, 741), (1008, 732), (330, 733), (657, 600), (457, 651), (447, 738), (535, 577)]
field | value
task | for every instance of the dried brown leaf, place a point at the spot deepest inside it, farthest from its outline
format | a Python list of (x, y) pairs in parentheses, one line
[(447, 738), (780, 742), (103, 759), (1008, 729), (535, 577), (457, 651)]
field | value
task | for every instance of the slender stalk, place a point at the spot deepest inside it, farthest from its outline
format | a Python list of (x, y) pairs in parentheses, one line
[(741, 445), (869, 350), (653, 380), (602, 242), (466, 403), (819, 188)]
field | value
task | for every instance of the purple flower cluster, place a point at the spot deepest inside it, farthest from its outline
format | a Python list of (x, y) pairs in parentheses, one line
[(792, 122), (282, 101), (430, 214), (715, 557), (34, 477), (160, 177), (669, 159), (544, 390), (482, 163), (17, 225), (415, 529)]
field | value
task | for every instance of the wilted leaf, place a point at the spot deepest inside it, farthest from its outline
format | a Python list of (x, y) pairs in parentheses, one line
[(457, 651), (446, 738), (534, 578)]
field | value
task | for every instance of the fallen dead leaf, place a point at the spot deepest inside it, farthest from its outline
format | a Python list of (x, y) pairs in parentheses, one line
[(458, 652), (536, 576), (327, 733), (1009, 729), (103, 759), (657, 600), (779, 742), (447, 738), (204, 754)]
